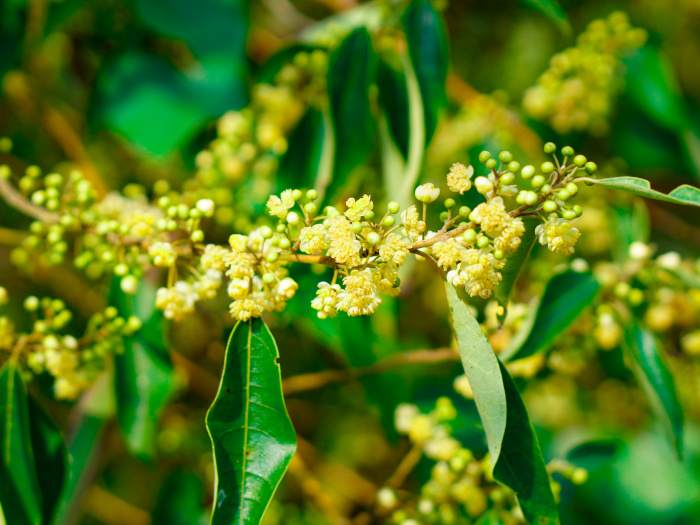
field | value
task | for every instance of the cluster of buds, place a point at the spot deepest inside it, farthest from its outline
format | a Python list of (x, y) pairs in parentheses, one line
[(575, 93), (73, 363), (250, 142)]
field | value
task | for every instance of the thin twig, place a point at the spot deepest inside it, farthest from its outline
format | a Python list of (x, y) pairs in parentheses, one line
[(17, 201)]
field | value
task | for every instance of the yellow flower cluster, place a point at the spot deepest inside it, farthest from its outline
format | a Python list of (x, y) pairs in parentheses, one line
[(575, 93)]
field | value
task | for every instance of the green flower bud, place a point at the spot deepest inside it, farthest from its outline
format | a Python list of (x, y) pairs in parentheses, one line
[(531, 198), (550, 148), (374, 238), (266, 232), (537, 181), (577, 210), (443, 216), (567, 151), (546, 189), (312, 195), (547, 167), (527, 172), (498, 254), (31, 303), (572, 188), (464, 211), (507, 178), (564, 195), (296, 195), (310, 208), (450, 203), (568, 214), (550, 206), (269, 278), (285, 243), (369, 215), (388, 221), (198, 236), (580, 160), (393, 207), (520, 197), (483, 241), (357, 227), (491, 164), (591, 168), (505, 157), (513, 166), (293, 218), (281, 228), (272, 257), (469, 236), (484, 156)]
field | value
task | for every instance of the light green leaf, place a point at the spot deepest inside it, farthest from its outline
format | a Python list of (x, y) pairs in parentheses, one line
[(552, 10), (684, 194), (482, 369), (427, 46), (521, 465), (143, 373), (565, 297), (51, 459), (652, 373), (20, 493), (514, 264), (251, 433), (351, 72)]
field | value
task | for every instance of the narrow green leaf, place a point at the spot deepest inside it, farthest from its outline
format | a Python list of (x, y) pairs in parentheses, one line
[(20, 493), (427, 46), (656, 380), (521, 465), (143, 373), (299, 166), (351, 72), (251, 433), (595, 454), (482, 369), (553, 10), (684, 194), (565, 297), (393, 96), (631, 225), (515, 263), (51, 459)]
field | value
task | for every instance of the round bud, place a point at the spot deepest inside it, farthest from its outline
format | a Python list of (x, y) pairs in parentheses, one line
[(498, 254), (537, 181), (357, 227), (550, 148), (483, 241), (464, 211), (312, 195), (272, 257), (121, 269), (579, 476), (568, 214), (505, 157), (393, 207), (547, 167), (491, 164), (296, 195), (450, 203), (591, 168), (285, 243), (129, 284), (280, 228), (567, 151), (369, 215), (520, 197), (577, 210), (572, 188), (293, 218), (197, 236), (483, 185), (550, 206), (531, 198), (507, 178), (374, 238), (31, 303), (513, 166), (484, 156), (580, 160), (527, 172), (310, 208), (268, 278), (388, 221), (564, 195), (195, 214), (469, 236), (266, 232), (546, 189)]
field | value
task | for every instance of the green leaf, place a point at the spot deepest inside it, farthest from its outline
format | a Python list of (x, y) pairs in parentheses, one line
[(351, 72), (515, 263), (13, 14), (564, 298), (520, 465), (631, 225), (180, 500), (393, 96), (552, 10), (656, 380), (595, 454), (684, 194), (300, 164), (251, 433), (143, 373), (482, 369), (20, 493), (427, 46), (51, 459)]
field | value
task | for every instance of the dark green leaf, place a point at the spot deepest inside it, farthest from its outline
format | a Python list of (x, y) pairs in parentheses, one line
[(143, 373), (595, 454), (520, 465), (427, 45), (656, 379), (351, 72), (552, 10), (180, 500), (251, 433), (482, 370), (393, 96), (515, 263), (51, 459), (565, 297), (684, 194), (299, 166), (20, 492), (13, 14)]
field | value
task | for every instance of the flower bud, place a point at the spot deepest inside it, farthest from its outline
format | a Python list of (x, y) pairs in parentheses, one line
[(427, 193)]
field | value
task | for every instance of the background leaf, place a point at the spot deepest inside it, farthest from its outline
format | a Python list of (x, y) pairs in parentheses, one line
[(684, 194), (143, 373), (251, 433), (656, 380), (20, 492), (427, 46), (180, 500), (552, 10), (564, 298), (520, 465)]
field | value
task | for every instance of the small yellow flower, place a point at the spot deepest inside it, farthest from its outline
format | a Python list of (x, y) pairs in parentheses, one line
[(427, 193), (459, 178), (358, 208), (491, 216), (279, 206), (558, 235)]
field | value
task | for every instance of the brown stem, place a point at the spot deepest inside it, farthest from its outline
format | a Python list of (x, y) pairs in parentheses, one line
[(17, 201)]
